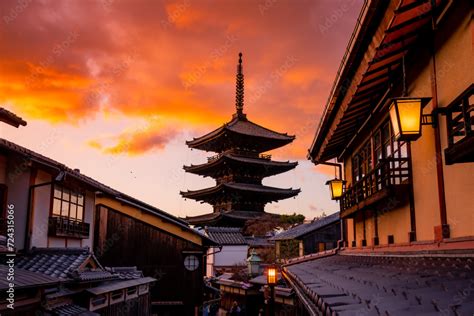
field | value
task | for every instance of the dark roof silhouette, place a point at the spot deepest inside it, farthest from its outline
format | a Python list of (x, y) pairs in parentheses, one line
[(303, 229)]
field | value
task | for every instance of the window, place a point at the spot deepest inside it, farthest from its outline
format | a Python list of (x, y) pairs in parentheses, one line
[(380, 146), (68, 203), (191, 263)]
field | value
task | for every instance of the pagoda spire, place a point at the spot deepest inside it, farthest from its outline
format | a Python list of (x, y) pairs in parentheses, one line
[(239, 93)]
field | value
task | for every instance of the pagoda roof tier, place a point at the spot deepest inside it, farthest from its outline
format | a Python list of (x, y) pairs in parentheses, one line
[(262, 165), (262, 193), (224, 218), (241, 133)]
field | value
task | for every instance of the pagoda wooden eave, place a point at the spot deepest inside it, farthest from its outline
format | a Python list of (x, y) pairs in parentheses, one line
[(239, 128), (266, 193), (267, 166), (224, 217)]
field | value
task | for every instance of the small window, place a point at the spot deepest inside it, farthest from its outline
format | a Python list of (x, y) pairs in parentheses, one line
[(99, 300), (191, 263), (117, 295)]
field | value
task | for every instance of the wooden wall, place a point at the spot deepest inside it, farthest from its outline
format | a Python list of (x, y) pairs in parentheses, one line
[(124, 241)]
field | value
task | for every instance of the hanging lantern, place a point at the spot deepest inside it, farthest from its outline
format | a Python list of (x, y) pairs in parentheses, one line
[(406, 117), (336, 188)]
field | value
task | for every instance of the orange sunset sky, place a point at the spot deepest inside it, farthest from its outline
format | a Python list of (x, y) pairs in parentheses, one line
[(115, 87)]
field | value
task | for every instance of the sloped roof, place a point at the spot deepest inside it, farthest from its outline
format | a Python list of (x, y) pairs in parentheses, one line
[(72, 309), (270, 167), (388, 31), (11, 118), (271, 192), (26, 279), (386, 284), (243, 127), (63, 263), (303, 229), (226, 235)]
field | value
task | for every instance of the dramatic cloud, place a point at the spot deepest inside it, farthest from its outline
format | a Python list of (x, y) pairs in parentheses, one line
[(67, 61)]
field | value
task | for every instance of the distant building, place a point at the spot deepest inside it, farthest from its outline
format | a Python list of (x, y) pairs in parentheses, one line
[(232, 249), (400, 119), (304, 239), (238, 168)]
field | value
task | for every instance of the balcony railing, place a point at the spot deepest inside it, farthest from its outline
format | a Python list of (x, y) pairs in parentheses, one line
[(389, 173), (241, 153), (460, 128), (66, 227)]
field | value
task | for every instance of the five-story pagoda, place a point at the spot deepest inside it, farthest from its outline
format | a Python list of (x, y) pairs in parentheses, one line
[(238, 168)]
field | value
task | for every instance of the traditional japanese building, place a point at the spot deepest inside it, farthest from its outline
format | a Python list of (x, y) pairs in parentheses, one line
[(399, 119), (238, 168)]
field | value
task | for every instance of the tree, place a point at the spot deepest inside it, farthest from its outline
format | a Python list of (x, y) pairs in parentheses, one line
[(269, 222)]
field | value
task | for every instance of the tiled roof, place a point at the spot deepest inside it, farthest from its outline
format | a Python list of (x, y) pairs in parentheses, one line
[(271, 193), (242, 127), (126, 273), (59, 263), (119, 284), (90, 275), (270, 167), (259, 241), (226, 235), (71, 310), (304, 229), (11, 118), (386, 285), (25, 279)]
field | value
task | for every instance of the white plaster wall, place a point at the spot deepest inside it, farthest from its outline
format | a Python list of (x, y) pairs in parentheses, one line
[(89, 217), (17, 179), (41, 206)]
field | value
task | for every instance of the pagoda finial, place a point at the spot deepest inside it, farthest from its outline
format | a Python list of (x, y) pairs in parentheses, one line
[(239, 96)]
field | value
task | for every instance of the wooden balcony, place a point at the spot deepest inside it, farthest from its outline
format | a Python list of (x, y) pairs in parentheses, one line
[(65, 227), (388, 183), (460, 127), (240, 153)]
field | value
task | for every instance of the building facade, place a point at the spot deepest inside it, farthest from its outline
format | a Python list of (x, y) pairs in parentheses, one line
[(130, 232), (319, 235), (401, 192), (399, 120)]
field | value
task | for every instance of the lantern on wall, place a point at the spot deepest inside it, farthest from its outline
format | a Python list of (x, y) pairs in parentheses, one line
[(406, 117), (336, 188)]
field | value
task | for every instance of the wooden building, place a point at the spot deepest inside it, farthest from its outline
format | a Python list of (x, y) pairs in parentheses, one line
[(399, 119), (130, 232), (405, 187), (46, 240), (319, 235), (238, 168)]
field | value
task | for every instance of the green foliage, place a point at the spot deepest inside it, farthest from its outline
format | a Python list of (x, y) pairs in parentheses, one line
[(291, 219), (269, 222)]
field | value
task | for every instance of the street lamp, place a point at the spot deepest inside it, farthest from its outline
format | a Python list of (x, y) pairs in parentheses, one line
[(406, 117), (336, 187), (271, 280)]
